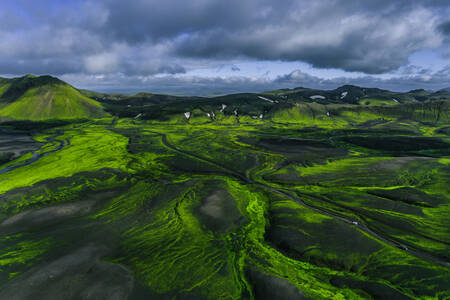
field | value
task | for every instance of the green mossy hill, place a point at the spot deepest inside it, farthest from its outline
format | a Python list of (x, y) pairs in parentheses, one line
[(44, 98)]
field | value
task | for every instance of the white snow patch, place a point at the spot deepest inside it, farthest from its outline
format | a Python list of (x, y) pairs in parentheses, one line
[(187, 114), (138, 116), (328, 113), (261, 116), (223, 107), (209, 115), (395, 100), (266, 99), (317, 97), (343, 94), (235, 112)]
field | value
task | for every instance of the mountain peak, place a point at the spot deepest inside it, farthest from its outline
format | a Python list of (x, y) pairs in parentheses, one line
[(349, 86), (44, 97), (20, 85)]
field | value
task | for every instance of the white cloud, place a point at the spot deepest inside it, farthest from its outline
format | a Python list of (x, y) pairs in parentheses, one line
[(101, 63)]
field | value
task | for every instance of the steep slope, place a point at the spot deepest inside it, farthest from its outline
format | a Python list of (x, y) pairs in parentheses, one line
[(44, 98), (4, 85)]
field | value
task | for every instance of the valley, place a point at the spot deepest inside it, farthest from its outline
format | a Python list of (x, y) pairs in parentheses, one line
[(343, 196)]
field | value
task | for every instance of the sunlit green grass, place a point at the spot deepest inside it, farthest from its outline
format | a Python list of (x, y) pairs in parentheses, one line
[(377, 102), (89, 149), (52, 102)]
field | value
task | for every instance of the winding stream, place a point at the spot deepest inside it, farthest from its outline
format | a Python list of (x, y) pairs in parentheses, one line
[(36, 156)]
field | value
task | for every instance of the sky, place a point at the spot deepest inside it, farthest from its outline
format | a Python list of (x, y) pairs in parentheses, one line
[(211, 47)]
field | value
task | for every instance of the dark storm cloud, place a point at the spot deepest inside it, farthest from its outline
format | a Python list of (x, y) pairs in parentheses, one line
[(143, 38), (367, 36), (445, 28), (235, 68)]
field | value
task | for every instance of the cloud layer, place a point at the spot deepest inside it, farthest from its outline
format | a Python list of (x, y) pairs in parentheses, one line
[(217, 85), (145, 38)]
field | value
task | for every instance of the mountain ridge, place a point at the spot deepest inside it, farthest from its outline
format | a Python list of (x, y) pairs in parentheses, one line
[(38, 98)]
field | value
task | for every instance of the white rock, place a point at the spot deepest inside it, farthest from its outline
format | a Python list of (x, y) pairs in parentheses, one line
[(223, 107), (187, 114), (328, 113), (138, 116), (261, 116), (317, 97), (343, 95), (266, 99), (209, 115), (235, 112)]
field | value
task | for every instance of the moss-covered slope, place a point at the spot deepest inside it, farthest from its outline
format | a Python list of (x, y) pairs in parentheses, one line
[(44, 98)]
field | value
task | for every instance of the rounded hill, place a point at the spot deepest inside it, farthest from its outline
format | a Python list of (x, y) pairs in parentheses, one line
[(44, 98)]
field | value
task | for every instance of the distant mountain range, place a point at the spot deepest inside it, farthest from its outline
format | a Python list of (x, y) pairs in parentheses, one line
[(46, 97)]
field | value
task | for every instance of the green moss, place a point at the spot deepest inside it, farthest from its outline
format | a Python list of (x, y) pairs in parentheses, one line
[(160, 186), (56, 101), (131, 202), (4, 87), (23, 252), (172, 254), (377, 102), (89, 150), (338, 165)]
